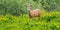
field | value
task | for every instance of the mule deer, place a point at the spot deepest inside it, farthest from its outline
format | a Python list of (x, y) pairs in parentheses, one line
[(33, 13)]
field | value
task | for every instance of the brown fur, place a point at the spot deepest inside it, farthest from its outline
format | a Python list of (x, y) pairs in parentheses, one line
[(34, 13)]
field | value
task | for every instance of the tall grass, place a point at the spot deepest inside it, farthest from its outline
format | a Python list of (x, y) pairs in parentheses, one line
[(48, 21)]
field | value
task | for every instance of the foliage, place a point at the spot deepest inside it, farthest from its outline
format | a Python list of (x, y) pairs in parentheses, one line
[(50, 5), (17, 7), (9, 22)]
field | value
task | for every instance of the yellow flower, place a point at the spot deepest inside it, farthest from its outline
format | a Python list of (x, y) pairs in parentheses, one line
[(0, 18), (3, 18), (59, 12)]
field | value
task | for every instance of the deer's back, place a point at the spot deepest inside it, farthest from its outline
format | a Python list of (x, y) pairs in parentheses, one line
[(35, 12)]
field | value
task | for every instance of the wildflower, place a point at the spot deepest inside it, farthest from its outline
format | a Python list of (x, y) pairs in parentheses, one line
[(0, 18), (3, 18)]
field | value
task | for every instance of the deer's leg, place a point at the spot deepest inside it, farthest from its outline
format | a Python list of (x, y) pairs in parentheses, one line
[(31, 17)]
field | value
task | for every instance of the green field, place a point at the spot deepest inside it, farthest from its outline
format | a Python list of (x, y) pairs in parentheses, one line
[(48, 21), (14, 15)]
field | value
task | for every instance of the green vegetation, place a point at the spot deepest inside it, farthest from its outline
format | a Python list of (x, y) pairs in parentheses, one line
[(48, 21), (13, 15), (17, 7)]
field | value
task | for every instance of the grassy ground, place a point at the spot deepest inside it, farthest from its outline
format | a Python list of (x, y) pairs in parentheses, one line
[(48, 21)]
